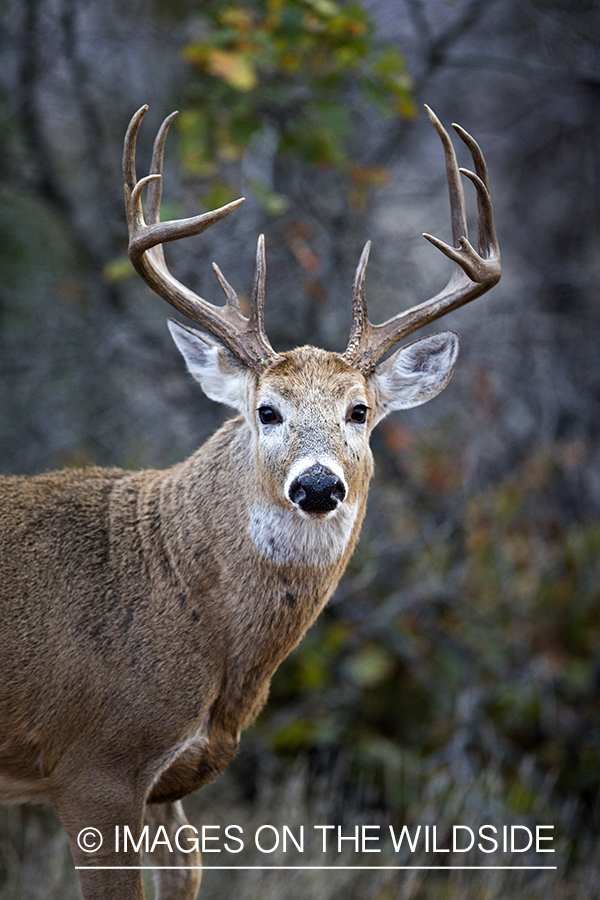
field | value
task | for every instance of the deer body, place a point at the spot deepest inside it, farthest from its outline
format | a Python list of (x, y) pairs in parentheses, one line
[(156, 566), (143, 614)]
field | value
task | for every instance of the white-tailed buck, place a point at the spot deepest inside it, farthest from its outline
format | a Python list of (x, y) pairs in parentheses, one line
[(143, 614)]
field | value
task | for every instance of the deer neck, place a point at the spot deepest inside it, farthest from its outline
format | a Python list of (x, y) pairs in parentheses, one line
[(225, 543)]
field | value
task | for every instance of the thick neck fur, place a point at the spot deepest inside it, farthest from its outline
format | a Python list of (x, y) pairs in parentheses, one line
[(215, 528)]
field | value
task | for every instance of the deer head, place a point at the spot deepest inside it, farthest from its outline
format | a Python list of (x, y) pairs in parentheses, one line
[(311, 412)]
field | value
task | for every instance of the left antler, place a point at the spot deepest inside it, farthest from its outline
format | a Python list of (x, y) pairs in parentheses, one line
[(246, 338), (474, 273)]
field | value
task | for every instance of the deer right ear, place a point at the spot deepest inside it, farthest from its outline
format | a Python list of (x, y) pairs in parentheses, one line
[(219, 373), (415, 373)]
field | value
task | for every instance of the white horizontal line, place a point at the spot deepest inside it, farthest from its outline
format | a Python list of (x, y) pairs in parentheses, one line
[(370, 868)]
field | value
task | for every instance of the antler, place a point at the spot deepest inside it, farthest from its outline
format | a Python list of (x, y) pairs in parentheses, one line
[(474, 273), (244, 336)]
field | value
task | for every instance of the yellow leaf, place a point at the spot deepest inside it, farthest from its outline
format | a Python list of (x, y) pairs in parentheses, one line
[(325, 8), (406, 108), (238, 18), (118, 269), (234, 68), (195, 54)]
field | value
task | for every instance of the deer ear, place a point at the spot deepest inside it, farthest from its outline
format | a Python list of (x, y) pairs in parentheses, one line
[(220, 374), (415, 373)]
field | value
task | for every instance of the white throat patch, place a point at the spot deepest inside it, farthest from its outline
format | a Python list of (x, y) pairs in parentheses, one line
[(285, 536)]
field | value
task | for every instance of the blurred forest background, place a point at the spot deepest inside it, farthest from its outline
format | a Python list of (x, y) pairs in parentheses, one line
[(454, 676)]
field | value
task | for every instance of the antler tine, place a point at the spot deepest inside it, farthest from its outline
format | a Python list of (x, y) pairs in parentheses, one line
[(476, 153), (360, 320), (231, 298), (154, 195), (244, 337), (129, 172), (258, 287), (257, 303), (458, 213), (486, 233), (474, 273)]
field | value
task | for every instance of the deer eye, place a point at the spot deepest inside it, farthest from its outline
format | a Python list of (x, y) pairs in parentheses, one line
[(268, 415), (357, 413)]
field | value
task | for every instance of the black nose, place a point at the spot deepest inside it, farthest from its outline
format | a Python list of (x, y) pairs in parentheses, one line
[(317, 490)]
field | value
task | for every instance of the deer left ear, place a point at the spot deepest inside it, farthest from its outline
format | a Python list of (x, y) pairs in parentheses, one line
[(415, 373), (219, 373)]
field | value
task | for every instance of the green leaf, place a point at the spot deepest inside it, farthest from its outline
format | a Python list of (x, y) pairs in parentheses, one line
[(369, 666), (274, 204)]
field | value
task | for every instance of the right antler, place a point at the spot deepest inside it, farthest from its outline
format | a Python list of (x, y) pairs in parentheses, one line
[(474, 273), (245, 337)]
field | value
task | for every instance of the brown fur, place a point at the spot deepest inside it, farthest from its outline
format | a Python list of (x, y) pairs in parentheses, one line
[(136, 613)]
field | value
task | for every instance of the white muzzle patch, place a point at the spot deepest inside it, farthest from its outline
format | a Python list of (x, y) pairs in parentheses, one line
[(289, 537)]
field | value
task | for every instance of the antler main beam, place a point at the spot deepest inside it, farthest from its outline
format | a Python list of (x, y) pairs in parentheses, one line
[(474, 272), (245, 337)]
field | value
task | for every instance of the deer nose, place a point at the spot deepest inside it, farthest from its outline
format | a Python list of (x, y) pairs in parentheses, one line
[(317, 490)]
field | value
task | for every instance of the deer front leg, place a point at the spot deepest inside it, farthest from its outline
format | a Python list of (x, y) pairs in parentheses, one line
[(174, 884), (90, 809)]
